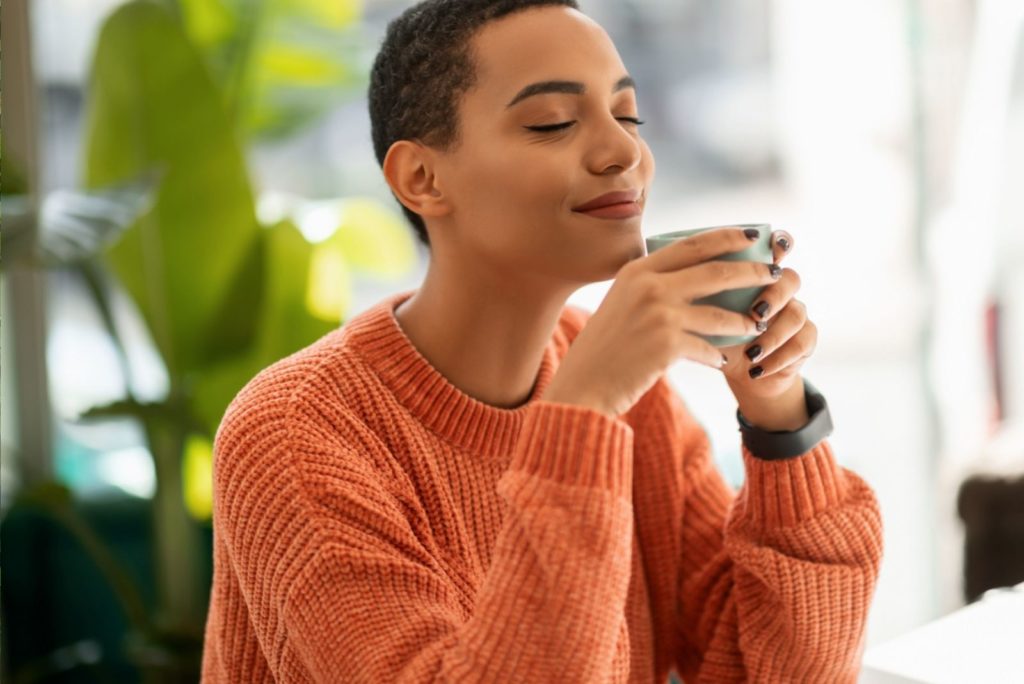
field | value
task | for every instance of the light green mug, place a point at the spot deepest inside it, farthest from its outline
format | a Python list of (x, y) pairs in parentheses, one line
[(739, 300)]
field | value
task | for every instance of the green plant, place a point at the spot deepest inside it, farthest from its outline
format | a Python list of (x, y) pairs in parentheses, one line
[(173, 97)]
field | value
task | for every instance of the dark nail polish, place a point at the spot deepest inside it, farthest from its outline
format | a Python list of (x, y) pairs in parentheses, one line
[(783, 243), (762, 326), (751, 233), (724, 360), (775, 270), (756, 372), (753, 352), (761, 309)]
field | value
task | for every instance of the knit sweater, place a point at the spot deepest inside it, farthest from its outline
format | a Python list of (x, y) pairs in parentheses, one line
[(374, 523)]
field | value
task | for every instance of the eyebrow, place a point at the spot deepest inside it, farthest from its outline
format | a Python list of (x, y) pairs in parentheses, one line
[(571, 87)]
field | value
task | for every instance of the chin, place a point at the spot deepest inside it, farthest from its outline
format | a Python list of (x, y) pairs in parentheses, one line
[(636, 248), (624, 254)]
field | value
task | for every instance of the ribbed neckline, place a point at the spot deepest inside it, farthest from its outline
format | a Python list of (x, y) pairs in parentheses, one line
[(430, 397)]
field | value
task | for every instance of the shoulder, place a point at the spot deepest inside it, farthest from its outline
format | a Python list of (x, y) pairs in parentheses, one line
[(294, 411)]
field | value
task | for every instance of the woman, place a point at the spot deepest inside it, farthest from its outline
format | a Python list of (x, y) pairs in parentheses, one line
[(445, 489)]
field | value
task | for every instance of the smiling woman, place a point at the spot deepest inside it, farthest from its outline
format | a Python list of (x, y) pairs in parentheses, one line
[(427, 494)]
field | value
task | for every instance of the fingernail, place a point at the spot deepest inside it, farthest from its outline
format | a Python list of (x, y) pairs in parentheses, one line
[(762, 326), (775, 270), (756, 372), (751, 233), (724, 360), (783, 243), (753, 352), (761, 309)]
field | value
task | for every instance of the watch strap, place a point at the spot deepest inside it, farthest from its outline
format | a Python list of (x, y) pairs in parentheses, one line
[(781, 444)]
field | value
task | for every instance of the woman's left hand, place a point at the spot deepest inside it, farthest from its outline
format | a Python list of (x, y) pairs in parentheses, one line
[(788, 341)]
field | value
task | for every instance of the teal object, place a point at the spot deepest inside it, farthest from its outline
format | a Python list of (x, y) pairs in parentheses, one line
[(739, 300), (63, 623)]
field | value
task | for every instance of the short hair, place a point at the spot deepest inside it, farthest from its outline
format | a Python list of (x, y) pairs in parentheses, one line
[(423, 68)]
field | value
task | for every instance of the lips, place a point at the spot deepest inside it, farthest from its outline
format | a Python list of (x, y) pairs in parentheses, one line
[(608, 199)]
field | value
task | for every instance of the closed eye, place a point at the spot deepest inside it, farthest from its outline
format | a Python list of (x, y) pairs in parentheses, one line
[(560, 126)]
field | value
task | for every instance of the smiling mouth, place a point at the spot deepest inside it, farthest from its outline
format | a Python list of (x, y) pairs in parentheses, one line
[(622, 210)]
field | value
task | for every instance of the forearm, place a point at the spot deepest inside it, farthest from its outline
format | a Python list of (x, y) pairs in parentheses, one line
[(787, 595)]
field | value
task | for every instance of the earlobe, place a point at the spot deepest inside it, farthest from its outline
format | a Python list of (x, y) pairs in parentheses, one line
[(412, 180)]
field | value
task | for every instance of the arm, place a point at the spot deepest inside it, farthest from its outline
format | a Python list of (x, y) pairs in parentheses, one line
[(775, 581), (345, 586)]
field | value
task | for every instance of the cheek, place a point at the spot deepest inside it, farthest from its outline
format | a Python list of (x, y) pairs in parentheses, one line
[(515, 187), (647, 162)]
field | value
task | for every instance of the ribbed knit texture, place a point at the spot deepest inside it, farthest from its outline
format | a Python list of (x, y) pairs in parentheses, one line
[(373, 523)]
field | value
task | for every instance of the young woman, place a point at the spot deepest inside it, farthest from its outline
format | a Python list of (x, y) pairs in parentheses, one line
[(474, 481)]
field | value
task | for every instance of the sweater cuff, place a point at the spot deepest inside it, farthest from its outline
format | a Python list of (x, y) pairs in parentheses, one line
[(575, 445), (782, 444), (787, 492)]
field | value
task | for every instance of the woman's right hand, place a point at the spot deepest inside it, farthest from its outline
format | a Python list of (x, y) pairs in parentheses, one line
[(647, 321)]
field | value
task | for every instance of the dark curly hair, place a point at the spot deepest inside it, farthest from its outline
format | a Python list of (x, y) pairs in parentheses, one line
[(424, 66)]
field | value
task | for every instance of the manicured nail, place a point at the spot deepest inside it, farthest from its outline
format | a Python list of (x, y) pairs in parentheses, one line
[(783, 243), (762, 326), (753, 352), (751, 233), (761, 309), (775, 270), (756, 372), (724, 360)]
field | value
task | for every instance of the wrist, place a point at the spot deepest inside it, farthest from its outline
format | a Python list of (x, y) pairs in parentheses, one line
[(784, 412), (784, 444)]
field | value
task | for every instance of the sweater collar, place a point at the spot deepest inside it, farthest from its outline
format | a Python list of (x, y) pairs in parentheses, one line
[(435, 402)]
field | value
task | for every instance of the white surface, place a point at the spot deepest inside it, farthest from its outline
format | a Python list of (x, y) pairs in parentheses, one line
[(978, 643)]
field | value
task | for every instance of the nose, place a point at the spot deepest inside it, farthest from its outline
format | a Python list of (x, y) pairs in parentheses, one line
[(614, 143)]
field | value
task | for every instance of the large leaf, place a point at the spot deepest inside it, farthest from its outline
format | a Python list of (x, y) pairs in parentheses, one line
[(281, 63), (285, 324), (374, 238), (301, 71), (76, 226), (153, 104)]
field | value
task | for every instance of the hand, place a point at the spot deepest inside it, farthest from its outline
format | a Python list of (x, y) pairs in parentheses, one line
[(647, 321), (788, 342)]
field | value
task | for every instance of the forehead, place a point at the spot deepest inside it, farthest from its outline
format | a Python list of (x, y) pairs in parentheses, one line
[(541, 43)]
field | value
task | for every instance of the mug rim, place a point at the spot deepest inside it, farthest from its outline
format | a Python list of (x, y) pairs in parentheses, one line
[(675, 234)]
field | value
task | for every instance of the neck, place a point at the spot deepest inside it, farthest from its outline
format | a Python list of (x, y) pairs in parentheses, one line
[(486, 335)]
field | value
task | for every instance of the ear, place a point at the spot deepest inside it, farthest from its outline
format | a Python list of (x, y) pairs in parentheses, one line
[(410, 171)]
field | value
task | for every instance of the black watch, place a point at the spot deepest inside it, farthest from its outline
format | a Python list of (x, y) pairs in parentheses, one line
[(780, 444)]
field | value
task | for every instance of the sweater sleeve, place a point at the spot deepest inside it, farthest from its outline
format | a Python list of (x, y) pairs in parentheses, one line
[(774, 581), (367, 602)]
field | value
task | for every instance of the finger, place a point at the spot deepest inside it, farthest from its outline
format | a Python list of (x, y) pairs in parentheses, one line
[(714, 320), (784, 326), (696, 348), (775, 297), (787, 359), (789, 370), (688, 251), (782, 245), (793, 351), (717, 275)]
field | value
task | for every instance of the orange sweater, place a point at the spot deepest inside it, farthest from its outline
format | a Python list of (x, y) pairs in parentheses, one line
[(373, 523)]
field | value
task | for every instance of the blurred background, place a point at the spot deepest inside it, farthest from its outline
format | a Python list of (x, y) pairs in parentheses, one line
[(189, 193)]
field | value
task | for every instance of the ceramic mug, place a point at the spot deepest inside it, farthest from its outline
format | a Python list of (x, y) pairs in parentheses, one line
[(739, 300)]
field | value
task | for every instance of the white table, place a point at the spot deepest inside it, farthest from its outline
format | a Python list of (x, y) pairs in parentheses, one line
[(982, 642)]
